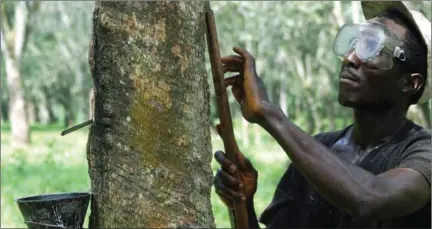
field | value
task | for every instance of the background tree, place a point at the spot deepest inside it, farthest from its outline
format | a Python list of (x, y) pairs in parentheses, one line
[(149, 152), (15, 31), (291, 40), (62, 80)]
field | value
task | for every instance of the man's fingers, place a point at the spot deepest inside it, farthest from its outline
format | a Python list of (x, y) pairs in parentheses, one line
[(246, 165), (232, 59), (226, 164), (248, 168), (238, 93), (233, 80), (222, 186), (242, 52), (231, 68), (237, 87), (241, 161), (229, 181), (222, 194), (249, 60), (229, 193)]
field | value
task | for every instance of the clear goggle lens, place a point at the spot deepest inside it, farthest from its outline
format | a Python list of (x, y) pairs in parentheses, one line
[(368, 43)]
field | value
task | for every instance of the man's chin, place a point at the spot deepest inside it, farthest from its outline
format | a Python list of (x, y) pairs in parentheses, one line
[(362, 104), (346, 102), (353, 103)]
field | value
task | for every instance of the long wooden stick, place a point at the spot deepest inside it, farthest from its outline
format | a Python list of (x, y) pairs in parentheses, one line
[(240, 217)]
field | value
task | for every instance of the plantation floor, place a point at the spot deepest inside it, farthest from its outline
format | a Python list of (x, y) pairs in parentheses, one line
[(58, 164)]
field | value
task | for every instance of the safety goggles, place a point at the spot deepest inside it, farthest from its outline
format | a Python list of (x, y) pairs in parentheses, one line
[(374, 44)]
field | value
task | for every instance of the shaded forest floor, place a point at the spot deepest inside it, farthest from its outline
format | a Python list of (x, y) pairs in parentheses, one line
[(58, 164)]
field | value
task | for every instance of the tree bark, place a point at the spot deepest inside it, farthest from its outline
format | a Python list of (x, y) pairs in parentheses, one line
[(149, 151)]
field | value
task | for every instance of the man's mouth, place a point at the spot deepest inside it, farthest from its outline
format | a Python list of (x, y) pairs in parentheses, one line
[(348, 77)]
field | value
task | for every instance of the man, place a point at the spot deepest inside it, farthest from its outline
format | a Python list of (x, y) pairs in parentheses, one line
[(373, 173)]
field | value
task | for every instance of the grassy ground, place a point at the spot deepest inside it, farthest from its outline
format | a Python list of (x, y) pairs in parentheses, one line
[(58, 164)]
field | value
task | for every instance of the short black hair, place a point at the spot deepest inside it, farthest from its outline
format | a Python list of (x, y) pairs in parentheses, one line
[(417, 61)]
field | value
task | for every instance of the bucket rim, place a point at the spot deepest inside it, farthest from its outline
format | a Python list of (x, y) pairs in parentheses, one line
[(26, 198), (44, 224)]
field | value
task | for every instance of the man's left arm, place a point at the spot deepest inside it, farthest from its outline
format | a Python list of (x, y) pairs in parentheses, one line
[(364, 195)]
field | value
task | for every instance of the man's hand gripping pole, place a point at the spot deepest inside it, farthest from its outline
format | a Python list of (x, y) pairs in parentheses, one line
[(226, 127)]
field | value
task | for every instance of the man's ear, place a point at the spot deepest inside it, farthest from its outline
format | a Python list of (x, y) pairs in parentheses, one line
[(413, 83)]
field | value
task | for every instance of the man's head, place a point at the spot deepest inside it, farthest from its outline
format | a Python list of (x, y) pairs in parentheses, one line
[(368, 83)]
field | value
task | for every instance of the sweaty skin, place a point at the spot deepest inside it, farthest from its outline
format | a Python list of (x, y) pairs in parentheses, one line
[(378, 101)]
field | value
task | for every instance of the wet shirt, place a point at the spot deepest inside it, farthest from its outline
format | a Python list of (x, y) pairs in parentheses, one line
[(295, 204)]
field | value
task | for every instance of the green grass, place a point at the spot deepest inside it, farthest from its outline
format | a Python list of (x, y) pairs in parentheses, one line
[(58, 164)]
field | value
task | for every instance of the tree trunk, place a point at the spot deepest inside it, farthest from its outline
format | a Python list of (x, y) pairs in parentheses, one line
[(31, 112), (310, 116), (49, 108), (355, 11), (283, 98), (1, 114), (69, 115), (417, 115), (298, 108), (257, 135), (427, 113), (337, 14), (4, 111), (51, 115), (331, 115), (17, 108), (13, 43), (149, 151), (37, 114)]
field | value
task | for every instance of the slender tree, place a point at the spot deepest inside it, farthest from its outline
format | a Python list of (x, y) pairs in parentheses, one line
[(15, 31)]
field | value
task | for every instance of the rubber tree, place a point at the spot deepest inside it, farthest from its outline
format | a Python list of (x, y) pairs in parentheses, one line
[(149, 149), (15, 32)]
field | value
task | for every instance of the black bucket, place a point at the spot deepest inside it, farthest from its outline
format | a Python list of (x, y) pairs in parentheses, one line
[(60, 210)]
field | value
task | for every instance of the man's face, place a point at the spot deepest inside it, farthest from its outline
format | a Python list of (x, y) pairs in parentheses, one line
[(362, 85)]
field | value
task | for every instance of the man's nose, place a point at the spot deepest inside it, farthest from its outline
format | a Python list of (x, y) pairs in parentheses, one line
[(352, 59)]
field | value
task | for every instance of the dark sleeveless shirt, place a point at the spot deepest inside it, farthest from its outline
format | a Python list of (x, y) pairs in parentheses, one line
[(295, 204)]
